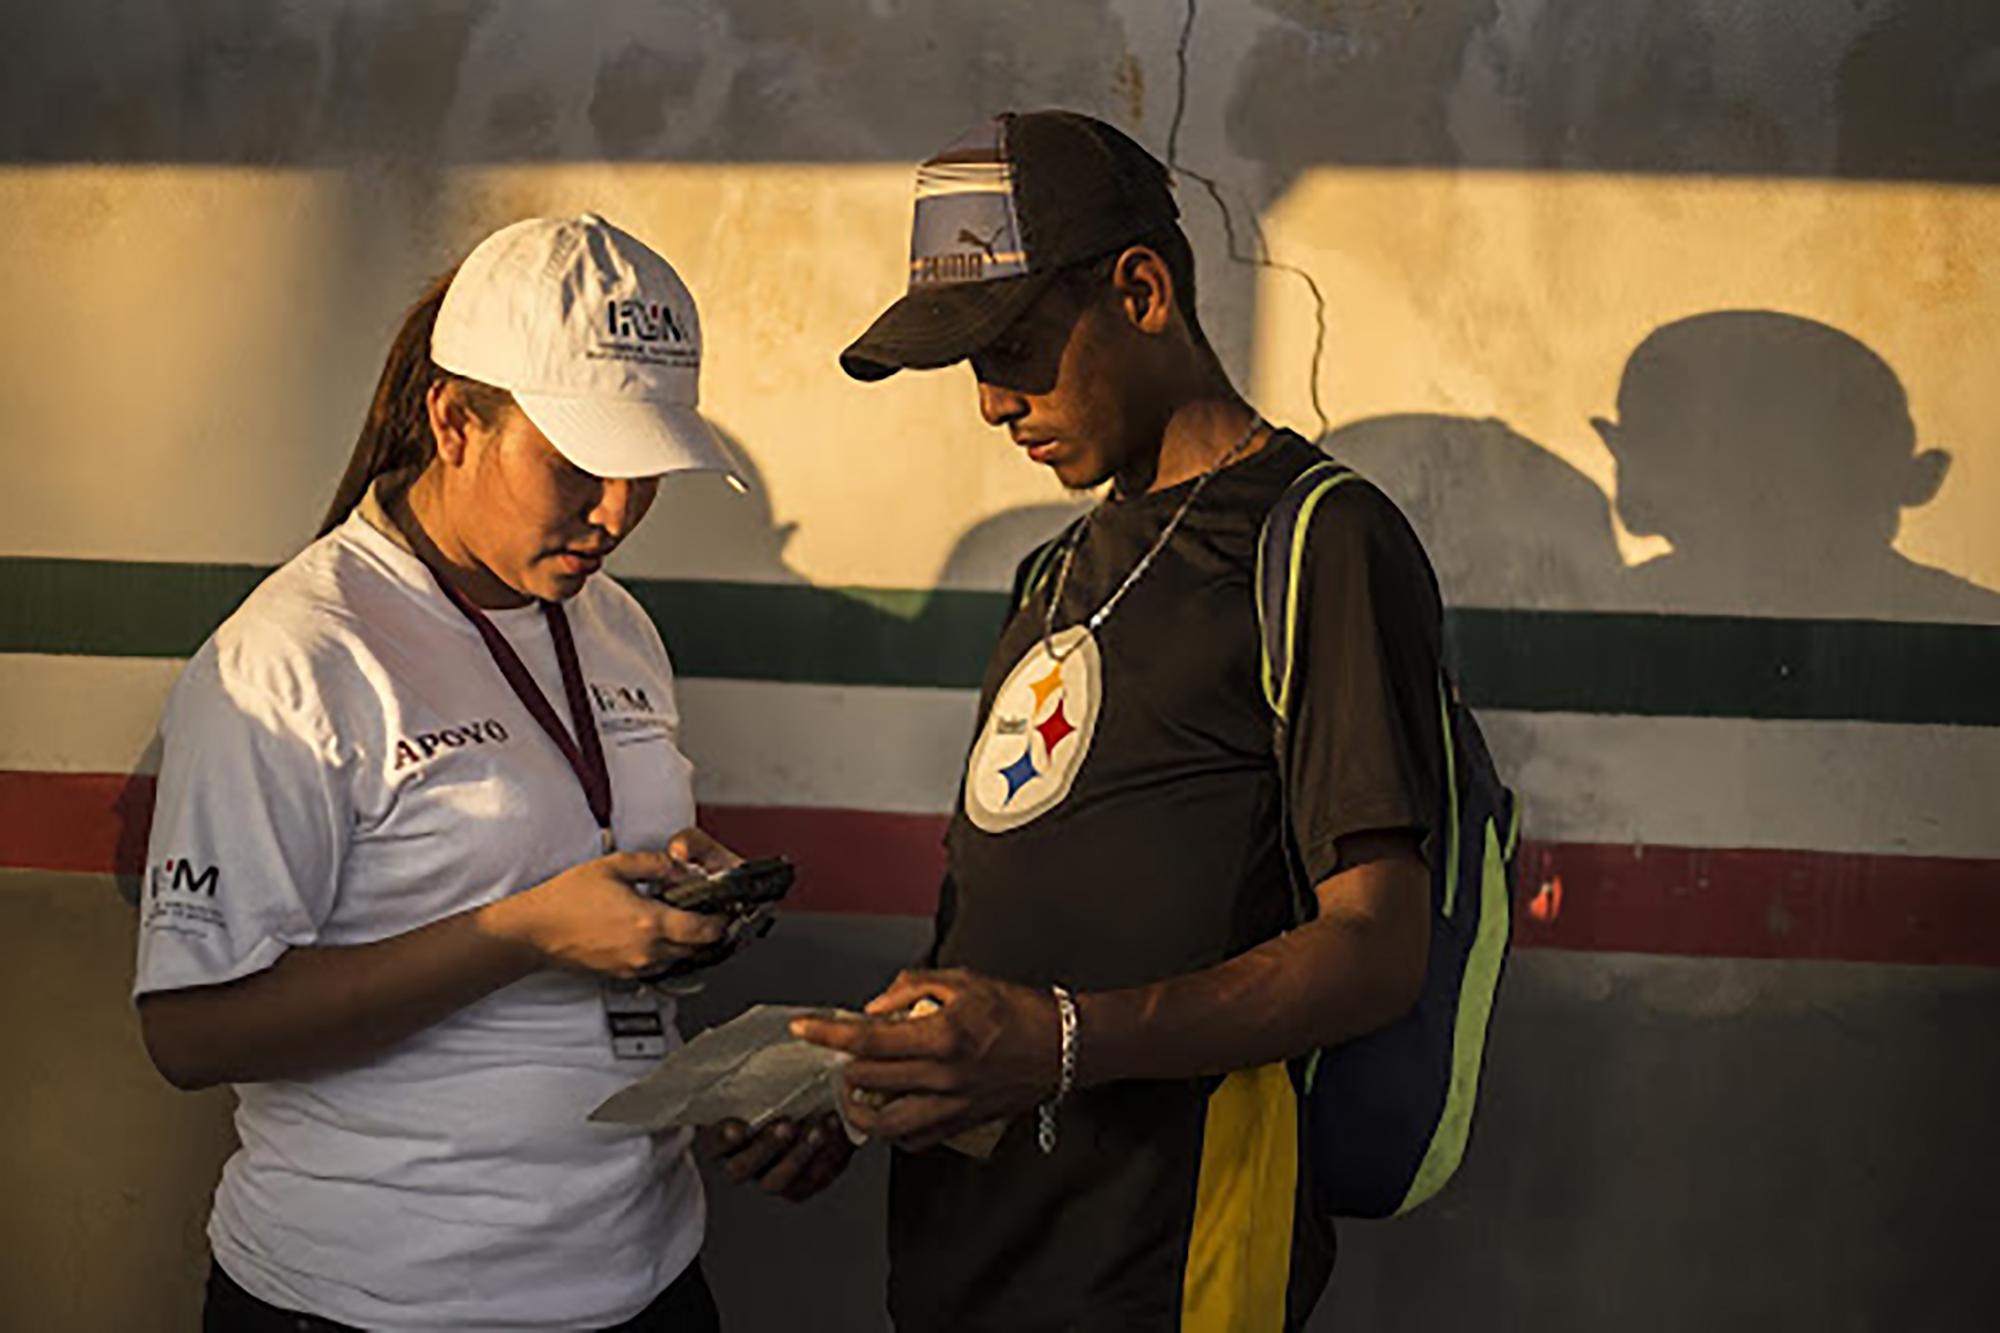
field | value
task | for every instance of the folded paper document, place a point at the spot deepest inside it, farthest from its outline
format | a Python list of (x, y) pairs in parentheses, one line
[(753, 1069), (750, 1069)]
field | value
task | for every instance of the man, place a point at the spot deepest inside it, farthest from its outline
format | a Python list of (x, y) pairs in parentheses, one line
[(1118, 981)]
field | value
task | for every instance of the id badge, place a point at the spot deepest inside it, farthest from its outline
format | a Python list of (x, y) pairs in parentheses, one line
[(632, 1016)]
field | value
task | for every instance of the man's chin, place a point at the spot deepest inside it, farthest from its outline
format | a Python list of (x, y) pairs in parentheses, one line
[(1078, 476)]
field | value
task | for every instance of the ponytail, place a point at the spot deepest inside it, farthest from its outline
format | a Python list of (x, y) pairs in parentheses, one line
[(397, 431)]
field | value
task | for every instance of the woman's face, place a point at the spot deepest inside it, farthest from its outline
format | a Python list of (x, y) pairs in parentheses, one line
[(534, 520)]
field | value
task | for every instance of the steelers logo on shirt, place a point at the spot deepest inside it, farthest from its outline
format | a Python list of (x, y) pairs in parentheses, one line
[(1037, 734)]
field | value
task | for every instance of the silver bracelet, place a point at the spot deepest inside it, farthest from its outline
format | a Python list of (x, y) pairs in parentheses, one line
[(1066, 1079)]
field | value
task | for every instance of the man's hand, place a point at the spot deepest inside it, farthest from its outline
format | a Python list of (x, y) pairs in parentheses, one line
[(787, 1159), (991, 1051)]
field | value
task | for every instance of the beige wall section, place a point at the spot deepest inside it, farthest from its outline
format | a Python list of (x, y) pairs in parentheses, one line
[(156, 374), (192, 351), (193, 347), (117, 1165), (1519, 297)]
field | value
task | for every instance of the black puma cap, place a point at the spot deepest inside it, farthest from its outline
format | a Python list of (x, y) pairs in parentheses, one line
[(999, 213)]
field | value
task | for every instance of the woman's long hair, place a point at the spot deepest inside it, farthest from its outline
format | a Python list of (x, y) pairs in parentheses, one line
[(397, 432)]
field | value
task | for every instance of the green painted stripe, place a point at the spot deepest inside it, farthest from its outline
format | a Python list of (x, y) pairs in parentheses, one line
[(801, 634), (1727, 666), (777, 632), (115, 608), (1534, 661)]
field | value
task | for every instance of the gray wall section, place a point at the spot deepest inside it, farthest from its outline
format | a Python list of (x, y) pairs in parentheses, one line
[(1662, 1144), (1866, 88)]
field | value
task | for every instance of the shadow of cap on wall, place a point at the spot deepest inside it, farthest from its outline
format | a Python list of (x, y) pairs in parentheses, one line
[(699, 522)]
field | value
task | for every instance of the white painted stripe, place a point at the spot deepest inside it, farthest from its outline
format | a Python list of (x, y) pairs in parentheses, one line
[(753, 743), (1718, 782), (1689, 782), (846, 747), (81, 714)]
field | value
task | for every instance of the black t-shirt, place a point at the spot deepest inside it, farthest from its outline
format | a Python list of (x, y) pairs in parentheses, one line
[(1119, 824)]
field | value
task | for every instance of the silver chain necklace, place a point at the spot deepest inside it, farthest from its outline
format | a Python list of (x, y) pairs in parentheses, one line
[(1075, 538)]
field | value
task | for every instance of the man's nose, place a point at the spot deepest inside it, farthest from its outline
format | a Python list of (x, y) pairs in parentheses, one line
[(1000, 405)]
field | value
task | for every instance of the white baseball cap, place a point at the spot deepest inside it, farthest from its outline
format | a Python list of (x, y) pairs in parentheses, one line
[(596, 337)]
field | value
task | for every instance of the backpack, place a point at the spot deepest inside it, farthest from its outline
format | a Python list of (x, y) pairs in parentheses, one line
[(1387, 1115)]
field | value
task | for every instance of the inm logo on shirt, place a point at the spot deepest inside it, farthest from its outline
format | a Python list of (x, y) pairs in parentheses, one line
[(428, 744), (179, 875), (621, 699)]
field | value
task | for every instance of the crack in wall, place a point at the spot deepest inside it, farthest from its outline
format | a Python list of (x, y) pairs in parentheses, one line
[(1261, 257)]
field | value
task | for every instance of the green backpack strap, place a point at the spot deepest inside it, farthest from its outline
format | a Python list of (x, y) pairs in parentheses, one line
[(1034, 571), (1281, 549), (1281, 546)]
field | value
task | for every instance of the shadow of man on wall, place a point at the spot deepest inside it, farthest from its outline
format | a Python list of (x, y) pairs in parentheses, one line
[(1505, 521), (1777, 454)]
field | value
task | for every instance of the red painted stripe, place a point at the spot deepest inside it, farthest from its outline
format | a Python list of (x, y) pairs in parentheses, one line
[(1757, 903), (93, 822), (1660, 900), (849, 860)]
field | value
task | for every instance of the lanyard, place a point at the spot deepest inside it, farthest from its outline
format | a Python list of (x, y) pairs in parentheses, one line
[(585, 753)]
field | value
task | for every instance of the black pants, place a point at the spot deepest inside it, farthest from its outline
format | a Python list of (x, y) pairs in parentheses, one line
[(684, 1307)]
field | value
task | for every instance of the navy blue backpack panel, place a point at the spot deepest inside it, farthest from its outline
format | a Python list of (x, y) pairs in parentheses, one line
[(1388, 1114)]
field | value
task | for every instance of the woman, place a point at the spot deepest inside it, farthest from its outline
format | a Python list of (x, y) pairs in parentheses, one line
[(411, 792)]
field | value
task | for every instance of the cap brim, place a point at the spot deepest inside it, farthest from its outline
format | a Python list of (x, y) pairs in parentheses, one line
[(936, 326), (627, 437)]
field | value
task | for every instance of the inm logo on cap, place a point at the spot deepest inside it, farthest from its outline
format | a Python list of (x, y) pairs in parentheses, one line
[(647, 333), (647, 323)]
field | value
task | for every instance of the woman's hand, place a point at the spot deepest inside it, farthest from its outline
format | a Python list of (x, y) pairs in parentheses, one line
[(593, 917), (704, 854)]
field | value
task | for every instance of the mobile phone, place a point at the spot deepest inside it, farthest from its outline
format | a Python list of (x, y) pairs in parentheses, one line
[(736, 891)]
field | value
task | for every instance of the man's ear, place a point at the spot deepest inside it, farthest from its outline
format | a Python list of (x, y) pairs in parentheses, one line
[(1145, 289), (449, 418), (1925, 478)]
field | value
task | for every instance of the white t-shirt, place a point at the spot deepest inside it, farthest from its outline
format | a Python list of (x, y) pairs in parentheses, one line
[(344, 762)]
